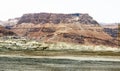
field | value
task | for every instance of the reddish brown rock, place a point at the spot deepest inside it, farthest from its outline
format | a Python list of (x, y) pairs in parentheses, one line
[(71, 28)]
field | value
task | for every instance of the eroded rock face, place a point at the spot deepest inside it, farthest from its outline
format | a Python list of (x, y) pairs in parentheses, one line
[(70, 33), (71, 28), (43, 18)]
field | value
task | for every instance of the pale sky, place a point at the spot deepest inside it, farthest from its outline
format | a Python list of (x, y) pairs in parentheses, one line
[(105, 11)]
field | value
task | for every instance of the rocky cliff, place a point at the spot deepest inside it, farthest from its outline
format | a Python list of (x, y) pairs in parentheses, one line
[(41, 18), (71, 28)]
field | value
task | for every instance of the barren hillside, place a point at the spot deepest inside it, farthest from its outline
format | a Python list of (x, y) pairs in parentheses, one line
[(71, 28)]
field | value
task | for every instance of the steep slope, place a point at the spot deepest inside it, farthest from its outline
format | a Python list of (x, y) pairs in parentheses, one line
[(71, 28)]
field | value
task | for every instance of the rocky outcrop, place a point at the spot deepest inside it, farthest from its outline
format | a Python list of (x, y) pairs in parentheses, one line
[(70, 28), (112, 32), (5, 32), (41, 18), (111, 29)]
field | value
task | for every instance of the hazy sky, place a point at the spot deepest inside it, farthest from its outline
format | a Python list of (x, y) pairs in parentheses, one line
[(107, 11)]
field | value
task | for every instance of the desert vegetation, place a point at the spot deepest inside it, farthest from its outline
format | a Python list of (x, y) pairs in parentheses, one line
[(23, 46)]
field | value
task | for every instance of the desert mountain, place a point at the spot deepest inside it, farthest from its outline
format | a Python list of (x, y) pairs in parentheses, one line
[(71, 28)]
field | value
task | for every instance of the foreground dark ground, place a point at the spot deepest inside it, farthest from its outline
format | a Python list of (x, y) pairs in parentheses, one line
[(52, 64), (60, 53)]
